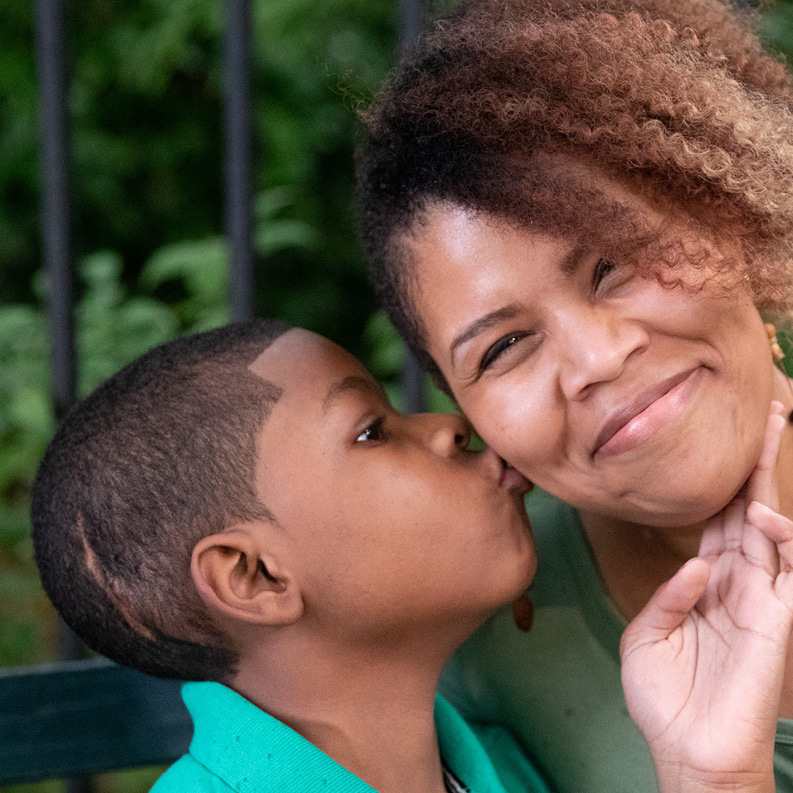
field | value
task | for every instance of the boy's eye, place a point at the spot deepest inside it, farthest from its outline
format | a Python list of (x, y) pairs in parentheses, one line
[(374, 432)]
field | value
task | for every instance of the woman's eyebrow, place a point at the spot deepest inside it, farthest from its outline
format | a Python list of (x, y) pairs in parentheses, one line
[(482, 324), (363, 385), (572, 259)]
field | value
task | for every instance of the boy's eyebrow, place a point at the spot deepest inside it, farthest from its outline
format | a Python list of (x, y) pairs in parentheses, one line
[(353, 383)]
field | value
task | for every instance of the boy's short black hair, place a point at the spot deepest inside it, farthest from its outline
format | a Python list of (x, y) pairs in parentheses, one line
[(159, 456)]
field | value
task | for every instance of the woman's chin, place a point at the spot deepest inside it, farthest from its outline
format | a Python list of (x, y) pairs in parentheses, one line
[(676, 491), (684, 510)]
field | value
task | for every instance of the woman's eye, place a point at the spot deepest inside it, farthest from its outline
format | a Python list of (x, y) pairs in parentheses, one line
[(602, 268), (498, 349), (374, 432)]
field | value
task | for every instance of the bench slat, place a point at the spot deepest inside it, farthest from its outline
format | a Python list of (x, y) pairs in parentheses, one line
[(89, 716)]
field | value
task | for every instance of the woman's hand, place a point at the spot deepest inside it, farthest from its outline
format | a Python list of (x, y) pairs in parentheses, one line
[(702, 664)]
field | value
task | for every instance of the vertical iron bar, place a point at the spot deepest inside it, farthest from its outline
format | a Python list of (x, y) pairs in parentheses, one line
[(56, 245), (410, 13), (236, 48), (55, 218), (55, 225), (413, 379)]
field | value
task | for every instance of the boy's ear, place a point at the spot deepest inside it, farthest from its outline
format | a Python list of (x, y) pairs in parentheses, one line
[(238, 576)]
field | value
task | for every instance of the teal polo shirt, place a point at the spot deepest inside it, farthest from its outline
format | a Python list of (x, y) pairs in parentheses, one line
[(237, 746)]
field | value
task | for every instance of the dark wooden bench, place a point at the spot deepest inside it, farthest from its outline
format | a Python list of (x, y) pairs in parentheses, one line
[(86, 717)]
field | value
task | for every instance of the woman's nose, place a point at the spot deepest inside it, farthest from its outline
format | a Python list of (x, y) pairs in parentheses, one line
[(446, 434), (596, 348)]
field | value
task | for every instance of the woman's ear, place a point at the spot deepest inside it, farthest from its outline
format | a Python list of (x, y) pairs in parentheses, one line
[(236, 574)]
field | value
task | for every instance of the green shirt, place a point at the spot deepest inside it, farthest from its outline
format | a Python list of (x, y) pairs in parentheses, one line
[(237, 746), (558, 687)]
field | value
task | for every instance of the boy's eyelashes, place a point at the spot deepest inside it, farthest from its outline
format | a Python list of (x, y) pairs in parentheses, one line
[(373, 432), (377, 431)]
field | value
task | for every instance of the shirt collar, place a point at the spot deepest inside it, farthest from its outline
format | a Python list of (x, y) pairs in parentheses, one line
[(253, 752)]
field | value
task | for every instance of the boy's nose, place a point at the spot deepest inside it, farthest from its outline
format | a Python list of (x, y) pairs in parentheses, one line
[(446, 433)]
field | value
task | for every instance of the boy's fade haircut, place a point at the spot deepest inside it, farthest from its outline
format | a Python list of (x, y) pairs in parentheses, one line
[(159, 456)]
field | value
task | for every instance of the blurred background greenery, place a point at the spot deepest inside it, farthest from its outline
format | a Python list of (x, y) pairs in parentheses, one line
[(145, 98)]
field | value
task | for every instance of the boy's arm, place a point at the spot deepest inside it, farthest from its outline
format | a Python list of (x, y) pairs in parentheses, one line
[(702, 664)]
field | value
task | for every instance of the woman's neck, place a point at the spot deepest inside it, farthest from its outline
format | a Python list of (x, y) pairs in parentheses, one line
[(634, 560)]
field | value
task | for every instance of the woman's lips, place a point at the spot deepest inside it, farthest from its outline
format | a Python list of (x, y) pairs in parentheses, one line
[(632, 423)]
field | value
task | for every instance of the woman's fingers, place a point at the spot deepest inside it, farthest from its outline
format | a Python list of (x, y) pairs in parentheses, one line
[(762, 485), (668, 607), (725, 529), (776, 528), (762, 488)]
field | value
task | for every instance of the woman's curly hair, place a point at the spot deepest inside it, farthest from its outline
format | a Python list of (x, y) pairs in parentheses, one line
[(675, 98)]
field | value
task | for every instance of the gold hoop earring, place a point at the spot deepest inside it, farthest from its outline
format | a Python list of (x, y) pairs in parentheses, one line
[(776, 350)]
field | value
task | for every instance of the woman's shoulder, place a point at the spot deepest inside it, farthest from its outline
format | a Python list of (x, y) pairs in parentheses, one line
[(567, 575), (557, 532), (549, 514)]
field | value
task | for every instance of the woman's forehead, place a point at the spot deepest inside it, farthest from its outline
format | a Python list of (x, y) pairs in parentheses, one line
[(456, 243)]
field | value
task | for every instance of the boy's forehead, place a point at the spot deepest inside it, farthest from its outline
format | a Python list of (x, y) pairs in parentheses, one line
[(305, 361)]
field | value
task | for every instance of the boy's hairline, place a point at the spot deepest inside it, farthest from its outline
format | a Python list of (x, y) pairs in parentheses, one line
[(256, 366), (365, 383)]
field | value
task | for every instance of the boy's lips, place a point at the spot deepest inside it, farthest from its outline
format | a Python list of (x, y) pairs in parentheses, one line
[(503, 475), (512, 479)]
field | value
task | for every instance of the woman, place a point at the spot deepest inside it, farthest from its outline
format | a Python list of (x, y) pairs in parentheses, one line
[(575, 213)]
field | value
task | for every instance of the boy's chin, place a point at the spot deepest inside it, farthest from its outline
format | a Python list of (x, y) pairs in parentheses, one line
[(518, 592)]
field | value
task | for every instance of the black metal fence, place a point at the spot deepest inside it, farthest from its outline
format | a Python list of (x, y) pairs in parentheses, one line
[(55, 213)]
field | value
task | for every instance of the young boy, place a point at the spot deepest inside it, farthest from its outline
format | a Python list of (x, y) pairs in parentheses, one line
[(244, 507)]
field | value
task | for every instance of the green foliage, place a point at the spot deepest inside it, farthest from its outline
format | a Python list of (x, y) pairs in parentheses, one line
[(146, 92), (114, 324), (384, 353), (777, 27)]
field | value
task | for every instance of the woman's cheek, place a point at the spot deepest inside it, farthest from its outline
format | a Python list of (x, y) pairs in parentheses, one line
[(526, 435)]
